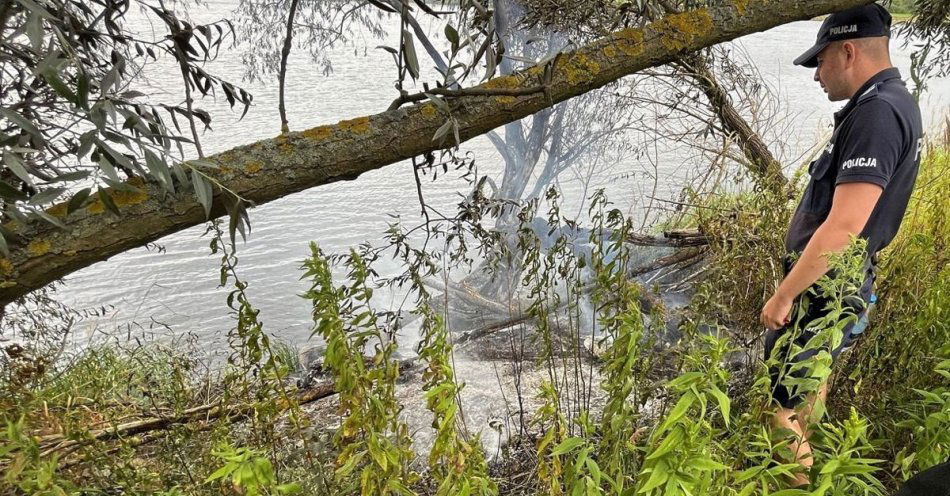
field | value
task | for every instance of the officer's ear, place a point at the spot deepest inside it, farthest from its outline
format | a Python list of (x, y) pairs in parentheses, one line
[(849, 51)]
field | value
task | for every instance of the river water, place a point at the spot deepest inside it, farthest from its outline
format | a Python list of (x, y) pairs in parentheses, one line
[(178, 286)]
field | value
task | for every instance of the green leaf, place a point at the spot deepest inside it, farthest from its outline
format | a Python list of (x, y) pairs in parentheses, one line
[(85, 141), (82, 91), (180, 174), (748, 474), (16, 215), (491, 62), (13, 162), (439, 102), (205, 163), (684, 380), (793, 492), (106, 200), (409, 54), (724, 403), (34, 30), (594, 470), (106, 167), (658, 476), (78, 200), (46, 196), (444, 129), (376, 452), (830, 467), (8, 192), (221, 472), (855, 469), (3, 246), (678, 411), (399, 487), (291, 488), (202, 191), (121, 185), (159, 171), (706, 464), (71, 176), (108, 81), (389, 49), (238, 219), (61, 88), (350, 463), (243, 474), (667, 445), (748, 489), (452, 35), (567, 446), (52, 61), (117, 157), (23, 123), (49, 218)]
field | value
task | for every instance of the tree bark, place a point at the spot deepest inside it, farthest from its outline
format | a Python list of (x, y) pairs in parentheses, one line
[(767, 169), (274, 168)]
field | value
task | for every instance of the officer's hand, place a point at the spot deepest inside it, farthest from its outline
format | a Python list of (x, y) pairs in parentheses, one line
[(776, 312)]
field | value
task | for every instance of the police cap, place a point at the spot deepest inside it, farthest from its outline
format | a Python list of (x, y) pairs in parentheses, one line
[(865, 21)]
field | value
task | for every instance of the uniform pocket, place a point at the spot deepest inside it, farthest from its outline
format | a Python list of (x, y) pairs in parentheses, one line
[(819, 167), (818, 195)]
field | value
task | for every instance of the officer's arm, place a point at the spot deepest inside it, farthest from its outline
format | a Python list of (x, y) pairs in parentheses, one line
[(850, 209)]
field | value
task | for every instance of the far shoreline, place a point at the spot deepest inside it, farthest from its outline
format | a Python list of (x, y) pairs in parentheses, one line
[(897, 17)]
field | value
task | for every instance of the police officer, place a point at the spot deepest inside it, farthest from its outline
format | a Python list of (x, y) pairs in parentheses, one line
[(860, 185)]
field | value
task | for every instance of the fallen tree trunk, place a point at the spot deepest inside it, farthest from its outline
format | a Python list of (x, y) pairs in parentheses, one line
[(58, 442), (274, 168), (672, 239)]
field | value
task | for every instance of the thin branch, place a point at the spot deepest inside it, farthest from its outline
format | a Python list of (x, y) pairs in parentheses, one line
[(282, 74), (422, 201)]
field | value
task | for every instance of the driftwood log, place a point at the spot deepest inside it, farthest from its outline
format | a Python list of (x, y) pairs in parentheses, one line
[(54, 443), (672, 239)]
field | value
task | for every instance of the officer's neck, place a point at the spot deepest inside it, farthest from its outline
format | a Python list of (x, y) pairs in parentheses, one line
[(862, 73)]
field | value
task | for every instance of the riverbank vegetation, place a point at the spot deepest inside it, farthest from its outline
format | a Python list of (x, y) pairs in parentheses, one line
[(645, 409), (627, 361)]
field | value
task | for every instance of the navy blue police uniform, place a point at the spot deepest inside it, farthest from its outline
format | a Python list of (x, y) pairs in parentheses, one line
[(877, 139)]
